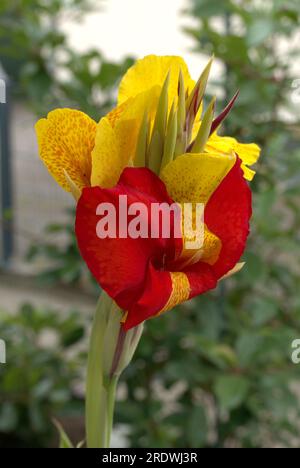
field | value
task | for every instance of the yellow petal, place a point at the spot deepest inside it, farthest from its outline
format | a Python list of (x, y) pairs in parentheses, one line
[(209, 252), (249, 153), (152, 71), (135, 106), (192, 178), (248, 173), (180, 291), (76, 192), (116, 138), (211, 248), (107, 163), (127, 126), (117, 113), (66, 139)]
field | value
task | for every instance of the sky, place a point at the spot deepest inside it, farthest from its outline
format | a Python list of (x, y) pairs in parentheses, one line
[(137, 28)]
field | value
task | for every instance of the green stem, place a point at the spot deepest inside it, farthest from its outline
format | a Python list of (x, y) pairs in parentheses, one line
[(96, 394), (111, 350), (111, 397)]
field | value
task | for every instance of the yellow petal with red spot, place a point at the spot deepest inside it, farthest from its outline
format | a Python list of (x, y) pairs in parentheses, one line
[(66, 139), (196, 232), (248, 153), (193, 178), (208, 253), (152, 71), (211, 247), (180, 291), (117, 113)]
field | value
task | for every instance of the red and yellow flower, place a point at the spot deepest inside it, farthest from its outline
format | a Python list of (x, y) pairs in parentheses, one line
[(158, 145)]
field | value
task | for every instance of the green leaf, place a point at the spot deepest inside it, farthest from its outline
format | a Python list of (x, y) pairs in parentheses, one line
[(263, 310), (8, 417), (248, 347), (231, 391), (64, 441), (197, 427), (73, 336), (259, 31)]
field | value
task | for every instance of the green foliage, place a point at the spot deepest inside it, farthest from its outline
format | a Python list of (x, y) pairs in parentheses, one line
[(37, 382), (210, 375), (35, 52), (247, 37), (65, 266)]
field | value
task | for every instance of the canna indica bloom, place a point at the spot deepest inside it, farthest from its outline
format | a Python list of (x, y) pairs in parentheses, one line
[(158, 145)]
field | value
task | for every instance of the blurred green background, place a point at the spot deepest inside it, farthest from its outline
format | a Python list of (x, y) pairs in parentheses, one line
[(216, 372)]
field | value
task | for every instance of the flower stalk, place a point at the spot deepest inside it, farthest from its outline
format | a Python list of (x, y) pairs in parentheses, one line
[(95, 392), (111, 350)]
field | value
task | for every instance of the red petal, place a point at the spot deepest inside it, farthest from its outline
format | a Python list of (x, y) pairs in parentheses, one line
[(121, 266), (227, 215), (153, 299), (145, 181), (201, 278)]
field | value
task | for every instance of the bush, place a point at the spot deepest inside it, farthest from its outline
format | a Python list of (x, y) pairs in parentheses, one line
[(38, 382)]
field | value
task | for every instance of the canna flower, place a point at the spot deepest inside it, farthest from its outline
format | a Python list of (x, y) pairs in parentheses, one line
[(158, 145), (147, 277)]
